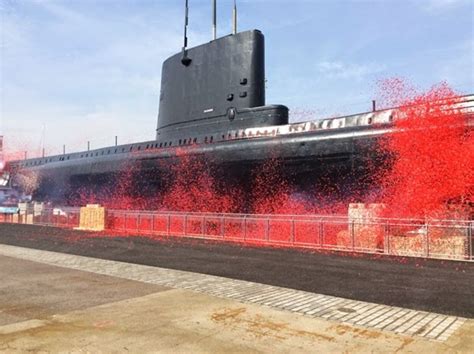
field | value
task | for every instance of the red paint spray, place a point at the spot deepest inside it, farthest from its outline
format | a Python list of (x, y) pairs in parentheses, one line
[(432, 171)]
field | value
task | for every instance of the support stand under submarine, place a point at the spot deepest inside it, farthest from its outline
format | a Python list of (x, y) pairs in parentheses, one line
[(212, 107)]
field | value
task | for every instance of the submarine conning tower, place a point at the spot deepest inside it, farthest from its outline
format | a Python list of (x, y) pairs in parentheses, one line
[(216, 87)]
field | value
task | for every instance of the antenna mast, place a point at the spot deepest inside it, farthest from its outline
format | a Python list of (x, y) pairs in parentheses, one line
[(214, 19), (186, 22), (234, 18), (185, 60)]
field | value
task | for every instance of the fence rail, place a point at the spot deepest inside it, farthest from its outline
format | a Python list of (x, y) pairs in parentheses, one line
[(443, 239)]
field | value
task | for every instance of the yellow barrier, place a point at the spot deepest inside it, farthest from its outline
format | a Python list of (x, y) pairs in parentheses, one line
[(92, 218)]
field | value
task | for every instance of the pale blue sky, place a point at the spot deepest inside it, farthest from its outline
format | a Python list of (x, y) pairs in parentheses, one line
[(80, 70)]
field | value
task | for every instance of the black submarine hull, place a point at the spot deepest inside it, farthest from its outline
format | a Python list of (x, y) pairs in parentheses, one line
[(342, 159)]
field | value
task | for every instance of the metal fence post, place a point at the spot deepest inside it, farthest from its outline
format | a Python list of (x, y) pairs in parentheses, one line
[(387, 237), (267, 230), (245, 227), (185, 224), (427, 245), (292, 232), (203, 226), (469, 234), (138, 223), (352, 235), (321, 232)]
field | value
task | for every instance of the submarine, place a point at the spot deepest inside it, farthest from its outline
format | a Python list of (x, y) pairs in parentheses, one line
[(212, 106)]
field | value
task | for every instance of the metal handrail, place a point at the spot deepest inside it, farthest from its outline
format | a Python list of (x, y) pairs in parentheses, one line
[(398, 221)]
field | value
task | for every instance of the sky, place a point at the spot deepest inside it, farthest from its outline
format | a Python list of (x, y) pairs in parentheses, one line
[(74, 71)]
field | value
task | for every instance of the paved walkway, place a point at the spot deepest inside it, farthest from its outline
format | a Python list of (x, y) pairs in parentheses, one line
[(233, 308), (425, 285)]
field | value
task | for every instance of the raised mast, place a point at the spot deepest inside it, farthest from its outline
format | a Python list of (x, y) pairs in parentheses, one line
[(214, 20), (234, 18), (185, 60)]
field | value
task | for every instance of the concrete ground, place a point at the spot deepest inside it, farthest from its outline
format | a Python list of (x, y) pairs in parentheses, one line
[(428, 285), (46, 308)]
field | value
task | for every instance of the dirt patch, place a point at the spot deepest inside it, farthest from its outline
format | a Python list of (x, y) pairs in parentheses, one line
[(342, 329), (260, 326)]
